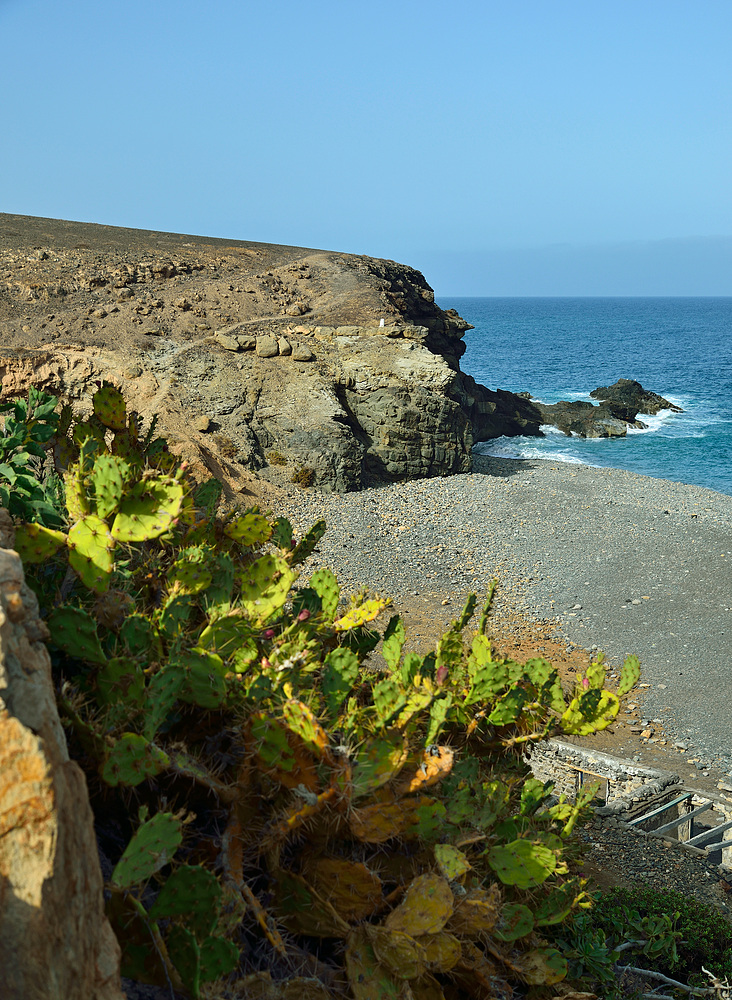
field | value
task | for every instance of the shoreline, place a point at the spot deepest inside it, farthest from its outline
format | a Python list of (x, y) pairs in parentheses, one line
[(597, 558)]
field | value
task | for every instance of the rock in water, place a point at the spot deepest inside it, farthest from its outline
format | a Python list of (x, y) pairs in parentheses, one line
[(628, 393), (55, 942)]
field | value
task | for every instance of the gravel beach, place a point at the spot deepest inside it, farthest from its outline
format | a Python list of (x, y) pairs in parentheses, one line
[(616, 561)]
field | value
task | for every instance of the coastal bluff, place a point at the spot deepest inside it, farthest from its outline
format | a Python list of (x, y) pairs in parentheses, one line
[(335, 370)]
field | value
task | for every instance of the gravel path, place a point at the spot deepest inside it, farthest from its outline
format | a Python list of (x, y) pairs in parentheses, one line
[(621, 562)]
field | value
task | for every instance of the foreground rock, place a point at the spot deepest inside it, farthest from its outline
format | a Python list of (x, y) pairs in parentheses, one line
[(55, 942), (619, 409), (291, 363)]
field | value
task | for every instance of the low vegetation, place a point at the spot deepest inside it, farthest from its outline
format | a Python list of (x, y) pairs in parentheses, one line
[(279, 811)]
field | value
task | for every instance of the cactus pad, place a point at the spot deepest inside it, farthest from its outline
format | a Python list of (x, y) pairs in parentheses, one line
[(109, 476), (522, 863), (353, 891), (148, 510), (218, 958), (396, 951), (277, 754), (75, 631), (121, 680), (162, 694), (36, 544), (151, 848), (434, 764), (340, 673), (109, 407), (185, 955), (515, 921), (394, 637), (477, 912), (303, 911), (203, 678), (451, 861), (356, 617), (325, 585), (265, 586), (90, 552), (539, 967), (306, 546), (629, 675), (441, 951), (132, 759), (193, 892), (368, 979), (378, 761), (249, 529), (590, 712), (189, 572), (425, 909), (301, 721)]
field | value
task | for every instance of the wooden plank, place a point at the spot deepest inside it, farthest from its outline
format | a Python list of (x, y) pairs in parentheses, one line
[(685, 817), (701, 837), (711, 848), (660, 809)]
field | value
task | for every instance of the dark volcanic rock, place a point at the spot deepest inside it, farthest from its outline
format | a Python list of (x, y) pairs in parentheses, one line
[(496, 412), (584, 419), (627, 394)]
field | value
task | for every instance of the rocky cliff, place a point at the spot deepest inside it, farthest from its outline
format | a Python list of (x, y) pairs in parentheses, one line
[(336, 369)]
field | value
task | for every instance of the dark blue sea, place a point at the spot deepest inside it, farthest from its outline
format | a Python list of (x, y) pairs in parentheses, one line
[(562, 348)]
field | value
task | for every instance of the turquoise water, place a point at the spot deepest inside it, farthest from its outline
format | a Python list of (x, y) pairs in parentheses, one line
[(558, 348)]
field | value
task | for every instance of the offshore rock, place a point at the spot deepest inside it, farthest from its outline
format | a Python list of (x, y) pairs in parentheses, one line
[(627, 394), (55, 942)]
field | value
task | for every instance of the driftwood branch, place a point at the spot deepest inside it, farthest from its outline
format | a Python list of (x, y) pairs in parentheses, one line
[(659, 976)]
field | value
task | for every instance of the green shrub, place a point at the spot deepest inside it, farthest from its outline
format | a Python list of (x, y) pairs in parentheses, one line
[(276, 458), (705, 935), (26, 489), (303, 476)]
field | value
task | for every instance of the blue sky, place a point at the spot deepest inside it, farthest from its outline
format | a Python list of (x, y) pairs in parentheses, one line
[(531, 147)]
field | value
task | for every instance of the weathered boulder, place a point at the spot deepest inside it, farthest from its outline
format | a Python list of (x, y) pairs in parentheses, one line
[(55, 942), (627, 394)]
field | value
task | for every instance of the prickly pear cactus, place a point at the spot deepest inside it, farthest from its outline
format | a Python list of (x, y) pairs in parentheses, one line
[(151, 848)]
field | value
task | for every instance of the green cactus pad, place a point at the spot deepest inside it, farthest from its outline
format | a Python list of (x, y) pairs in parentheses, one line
[(560, 902), (301, 721), (306, 546), (340, 672), (265, 586), (148, 510), (162, 694), (65, 454), (282, 533), (185, 954), (75, 631), (593, 711), (451, 861), (515, 921), (274, 753), (394, 637), (194, 892), (629, 675), (389, 698), (438, 713), (85, 430), (140, 637), (218, 958), (109, 407), (425, 909), (249, 529), (173, 616), (522, 863), (151, 848), (221, 589), (36, 544), (203, 678), (367, 977), (379, 760), (91, 552), (189, 572), (77, 502), (508, 708), (325, 585), (121, 680), (132, 759), (109, 476)]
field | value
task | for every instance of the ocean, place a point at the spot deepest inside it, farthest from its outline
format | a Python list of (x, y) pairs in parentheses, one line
[(562, 348)]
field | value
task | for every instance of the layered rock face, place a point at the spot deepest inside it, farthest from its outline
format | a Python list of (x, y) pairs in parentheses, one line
[(55, 942), (278, 360)]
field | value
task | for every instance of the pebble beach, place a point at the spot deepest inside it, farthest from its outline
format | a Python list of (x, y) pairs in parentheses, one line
[(616, 561)]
